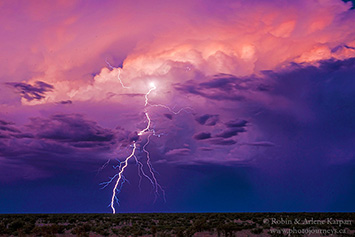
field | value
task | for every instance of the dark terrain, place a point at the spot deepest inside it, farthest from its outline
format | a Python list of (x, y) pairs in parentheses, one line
[(179, 224)]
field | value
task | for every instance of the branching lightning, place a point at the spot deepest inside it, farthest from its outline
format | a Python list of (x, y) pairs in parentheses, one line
[(141, 172), (118, 74), (123, 164), (151, 170), (150, 175), (170, 109)]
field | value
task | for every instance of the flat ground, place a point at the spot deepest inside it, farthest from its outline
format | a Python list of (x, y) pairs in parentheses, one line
[(179, 224)]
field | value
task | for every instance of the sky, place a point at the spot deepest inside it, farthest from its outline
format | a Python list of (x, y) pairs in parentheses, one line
[(243, 106)]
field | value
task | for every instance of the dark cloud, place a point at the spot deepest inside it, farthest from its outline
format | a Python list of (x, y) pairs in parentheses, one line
[(178, 152), (23, 135), (261, 143), (32, 92), (223, 87), (61, 133), (221, 141), (3, 122), (221, 81), (202, 136), (65, 102), (230, 132), (169, 116), (208, 119), (214, 94), (236, 123), (9, 129), (340, 47), (70, 128), (205, 148), (349, 47), (321, 118), (61, 141), (352, 1), (330, 66)]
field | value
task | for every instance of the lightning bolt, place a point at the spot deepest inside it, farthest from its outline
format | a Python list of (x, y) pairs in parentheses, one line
[(122, 165), (150, 90), (156, 185), (103, 166), (151, 170), (148, 125), (120, 176), (141, 171), (118, 75), (172, 110)]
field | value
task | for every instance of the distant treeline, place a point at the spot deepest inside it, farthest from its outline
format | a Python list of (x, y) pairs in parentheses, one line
[(177, 224)]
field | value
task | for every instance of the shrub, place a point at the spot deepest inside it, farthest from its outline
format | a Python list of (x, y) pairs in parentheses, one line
[(17, 224), (257, 231)]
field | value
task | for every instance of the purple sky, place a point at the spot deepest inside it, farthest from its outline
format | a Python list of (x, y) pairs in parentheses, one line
[(261, 98)]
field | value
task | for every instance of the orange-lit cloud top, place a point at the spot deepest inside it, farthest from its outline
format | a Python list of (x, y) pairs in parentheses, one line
[(251, 37), (66, 44)]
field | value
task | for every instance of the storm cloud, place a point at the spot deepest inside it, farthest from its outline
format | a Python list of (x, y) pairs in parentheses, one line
[(255, 92), (32, 92)]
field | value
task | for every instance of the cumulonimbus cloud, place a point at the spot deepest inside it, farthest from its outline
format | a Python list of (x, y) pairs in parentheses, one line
[(230, 64), (238, 38)]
